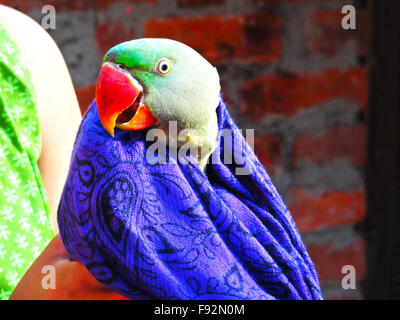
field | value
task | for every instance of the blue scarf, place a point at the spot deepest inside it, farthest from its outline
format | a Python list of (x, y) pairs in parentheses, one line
[(170, 231)]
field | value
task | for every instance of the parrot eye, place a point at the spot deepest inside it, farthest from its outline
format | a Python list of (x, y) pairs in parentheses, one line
[(164, 66)]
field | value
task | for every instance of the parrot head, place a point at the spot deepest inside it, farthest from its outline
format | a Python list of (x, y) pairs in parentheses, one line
[(148, 82)]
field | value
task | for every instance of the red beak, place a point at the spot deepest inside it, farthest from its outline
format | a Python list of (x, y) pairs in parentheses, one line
[(119, 102)]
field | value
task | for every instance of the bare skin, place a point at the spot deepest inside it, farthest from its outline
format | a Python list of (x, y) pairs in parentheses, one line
[(59, 116), (59, 112), (73, 280)]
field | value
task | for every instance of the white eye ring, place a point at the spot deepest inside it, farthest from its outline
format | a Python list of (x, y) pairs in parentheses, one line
[(164, 66)]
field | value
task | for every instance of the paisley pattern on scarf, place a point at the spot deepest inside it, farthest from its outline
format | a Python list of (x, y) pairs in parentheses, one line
[(169, 231)]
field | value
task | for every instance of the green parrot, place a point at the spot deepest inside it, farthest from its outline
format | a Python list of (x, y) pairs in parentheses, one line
[(149, 82)]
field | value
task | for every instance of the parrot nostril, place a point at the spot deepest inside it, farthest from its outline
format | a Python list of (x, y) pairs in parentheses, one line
[(121, 66)]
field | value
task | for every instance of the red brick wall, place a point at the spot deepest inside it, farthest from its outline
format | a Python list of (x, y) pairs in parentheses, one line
[(288, 70)]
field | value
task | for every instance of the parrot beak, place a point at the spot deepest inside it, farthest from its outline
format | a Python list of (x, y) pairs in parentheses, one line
[(120, 101)]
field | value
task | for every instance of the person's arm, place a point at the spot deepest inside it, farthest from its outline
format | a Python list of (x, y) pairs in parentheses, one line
[(72, 280), (59, 117), (59, 112)]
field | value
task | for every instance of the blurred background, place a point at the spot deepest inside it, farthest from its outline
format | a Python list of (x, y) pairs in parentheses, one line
[(290, 72)]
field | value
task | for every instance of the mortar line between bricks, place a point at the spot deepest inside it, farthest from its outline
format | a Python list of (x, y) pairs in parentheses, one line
[(338, 236)]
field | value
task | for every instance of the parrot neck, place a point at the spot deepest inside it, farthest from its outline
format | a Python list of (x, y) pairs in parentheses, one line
[(205, 139), (200, 141)]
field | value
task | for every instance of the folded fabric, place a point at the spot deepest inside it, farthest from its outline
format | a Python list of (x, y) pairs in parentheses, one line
[(170, 231)]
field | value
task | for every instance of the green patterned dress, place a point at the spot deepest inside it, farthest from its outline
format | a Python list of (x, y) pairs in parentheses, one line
[(25, 223)]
